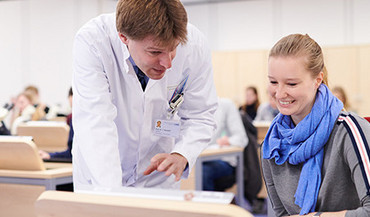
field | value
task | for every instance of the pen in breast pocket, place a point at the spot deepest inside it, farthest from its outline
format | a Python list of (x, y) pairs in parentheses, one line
[(180, 88)]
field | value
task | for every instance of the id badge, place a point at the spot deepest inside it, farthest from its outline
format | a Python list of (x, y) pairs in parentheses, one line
[(167, 128)]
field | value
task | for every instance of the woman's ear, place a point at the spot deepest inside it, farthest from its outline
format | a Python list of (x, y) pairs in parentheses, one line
[(319, 79)]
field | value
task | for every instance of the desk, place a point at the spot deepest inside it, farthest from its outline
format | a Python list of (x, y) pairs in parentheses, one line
[(20, 189), (66, 204), (47, 135), (55, 174), (23, 176), (262, 128), (216, 154)]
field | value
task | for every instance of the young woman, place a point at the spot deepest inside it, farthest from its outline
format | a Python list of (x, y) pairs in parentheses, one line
[(22, 112), (251, 102), (314, 162)]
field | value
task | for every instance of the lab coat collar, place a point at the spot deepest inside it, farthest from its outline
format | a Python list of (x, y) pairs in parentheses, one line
[(151, 82), (126, 56)]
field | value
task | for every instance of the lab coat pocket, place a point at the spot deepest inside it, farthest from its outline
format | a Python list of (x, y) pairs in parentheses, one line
[(166, 144), (170, 91)]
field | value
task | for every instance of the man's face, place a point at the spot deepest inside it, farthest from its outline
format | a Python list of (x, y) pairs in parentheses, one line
[(152, 59)]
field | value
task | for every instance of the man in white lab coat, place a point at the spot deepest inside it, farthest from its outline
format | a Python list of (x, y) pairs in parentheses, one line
[(144, 98)]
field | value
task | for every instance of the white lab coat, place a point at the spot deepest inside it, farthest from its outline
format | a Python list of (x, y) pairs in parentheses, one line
[(114, 119)]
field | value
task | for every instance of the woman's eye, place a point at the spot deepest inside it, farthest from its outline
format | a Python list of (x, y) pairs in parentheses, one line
[(292, 84), (273, 82)]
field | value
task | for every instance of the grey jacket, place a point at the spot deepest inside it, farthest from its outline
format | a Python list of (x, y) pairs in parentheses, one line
[(342, 186)]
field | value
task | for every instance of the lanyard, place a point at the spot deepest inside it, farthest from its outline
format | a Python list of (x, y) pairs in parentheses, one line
[(177, 98)]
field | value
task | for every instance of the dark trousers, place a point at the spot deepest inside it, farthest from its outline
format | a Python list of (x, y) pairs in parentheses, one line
[(213, 170)]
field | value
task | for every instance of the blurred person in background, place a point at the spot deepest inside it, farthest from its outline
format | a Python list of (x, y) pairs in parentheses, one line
[(23, 111), (42, 111), (342, 96), (230, 132), (251, 102), (66, 155), (267, 111)]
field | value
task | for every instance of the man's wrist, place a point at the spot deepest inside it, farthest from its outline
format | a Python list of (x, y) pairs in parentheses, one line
[(185, 161)]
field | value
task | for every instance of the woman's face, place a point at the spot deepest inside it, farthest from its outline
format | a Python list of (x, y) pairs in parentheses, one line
[(251, 97), (22, 102), (292, 87)]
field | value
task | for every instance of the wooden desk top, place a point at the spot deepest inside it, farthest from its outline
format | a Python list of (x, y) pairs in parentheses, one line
[(262, 128), (220, 151), (53, 170), (83, 205)]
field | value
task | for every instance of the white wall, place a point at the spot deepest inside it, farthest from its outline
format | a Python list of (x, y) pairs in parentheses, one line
[(256, 24), (10, 48), (36, 44), (37, 35)]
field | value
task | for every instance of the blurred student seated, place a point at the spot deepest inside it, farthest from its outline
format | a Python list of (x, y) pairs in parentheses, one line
[(251, 102), (342, 96), (230, 132), (267, 111), (20, 110), (4, 111), (43, 112), (64, 155)]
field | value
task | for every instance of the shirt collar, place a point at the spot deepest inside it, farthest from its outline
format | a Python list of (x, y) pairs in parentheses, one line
[(126, 56), (133, 64), (136, 68), (132, 61)]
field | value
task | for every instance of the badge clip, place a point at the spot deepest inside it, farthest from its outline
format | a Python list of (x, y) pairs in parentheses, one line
[(177, 100)]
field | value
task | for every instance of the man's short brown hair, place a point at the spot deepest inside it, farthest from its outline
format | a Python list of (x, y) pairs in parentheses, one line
[(165, 20)]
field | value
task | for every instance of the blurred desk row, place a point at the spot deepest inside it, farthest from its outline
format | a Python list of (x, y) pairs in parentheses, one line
[(24, 177)]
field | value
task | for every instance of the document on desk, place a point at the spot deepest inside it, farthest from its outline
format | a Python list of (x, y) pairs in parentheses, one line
[(15, 138), (213, 146), (162, 194), (217, 146), (45, 123)]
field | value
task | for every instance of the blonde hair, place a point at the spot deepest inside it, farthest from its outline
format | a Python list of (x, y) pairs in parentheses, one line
[(33, 92), (298, 45), (32, 89), (343, 96), (165, 20)]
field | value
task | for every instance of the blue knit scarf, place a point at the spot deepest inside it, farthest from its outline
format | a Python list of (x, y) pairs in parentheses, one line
[(304, 144)]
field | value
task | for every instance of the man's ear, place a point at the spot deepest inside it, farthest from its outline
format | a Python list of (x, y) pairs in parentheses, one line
[(123, 38)]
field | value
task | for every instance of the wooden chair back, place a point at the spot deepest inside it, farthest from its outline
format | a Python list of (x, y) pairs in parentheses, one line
[(19, 153), (47, 135)]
